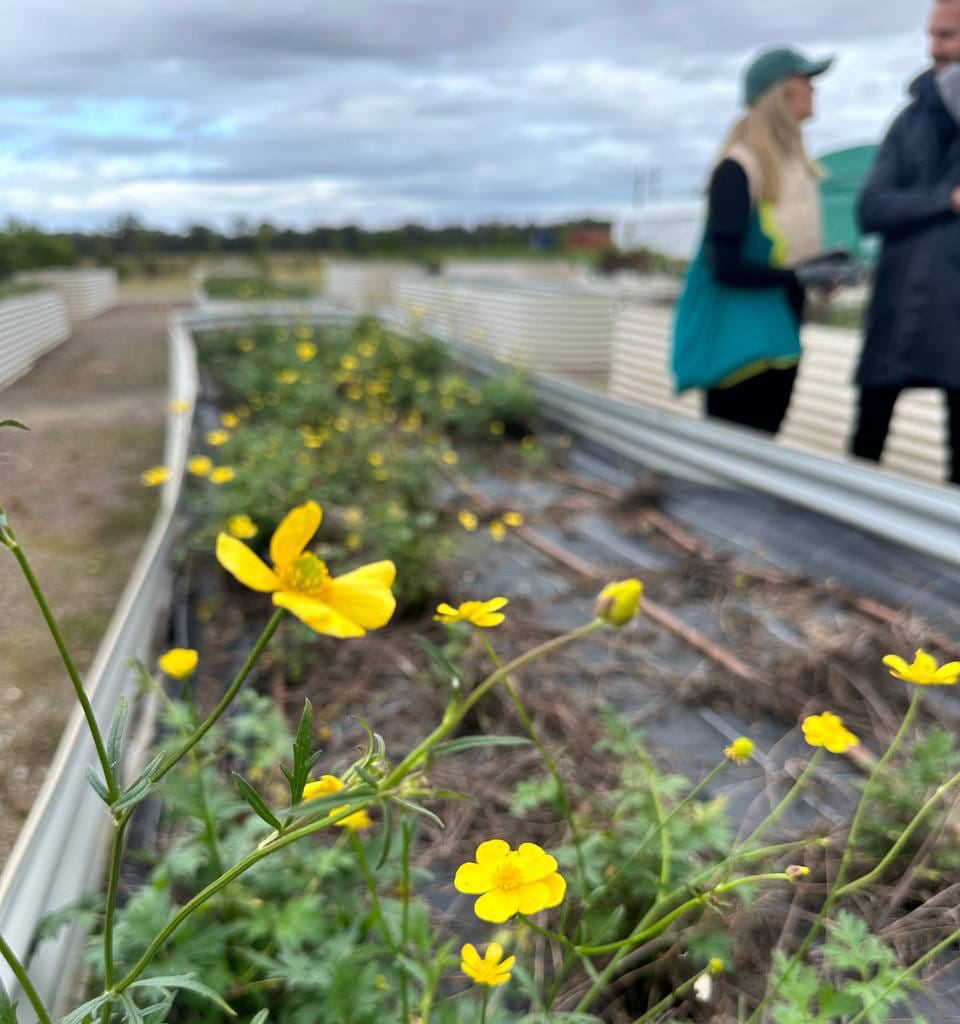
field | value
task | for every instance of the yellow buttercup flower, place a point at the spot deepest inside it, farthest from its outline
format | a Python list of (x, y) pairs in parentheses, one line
[(155, 476), (528, 443), (288, 376), (230, 420), (498, 531), (925, 671), (740, 751), (327, 785), (508, 882), (491, 969), (716, 965), (619, 602), (179, 663), (218, 437), (514, 519), (246, 344), (200, 465), (828, 731), (498, 428), (468, 521), (242, 527), (306, 350), (450, 458), (375, 458), (222, 475), (353, 516), (179, 405), (353, 542), (485, 614), (354, 392), (349, 362), (344, 606)]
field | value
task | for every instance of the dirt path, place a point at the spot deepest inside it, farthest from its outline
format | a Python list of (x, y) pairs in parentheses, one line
[(71, 488)]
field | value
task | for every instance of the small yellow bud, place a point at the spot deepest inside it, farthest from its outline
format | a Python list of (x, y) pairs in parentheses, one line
[(178, 663), (716, 965), (740, 751), (619, 602), (796, 872)]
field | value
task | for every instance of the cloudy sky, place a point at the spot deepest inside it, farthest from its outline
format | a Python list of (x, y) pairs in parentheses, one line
[(380, 112)]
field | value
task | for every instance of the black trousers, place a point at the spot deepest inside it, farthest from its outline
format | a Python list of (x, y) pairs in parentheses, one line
[(873, 425), (759, 402)]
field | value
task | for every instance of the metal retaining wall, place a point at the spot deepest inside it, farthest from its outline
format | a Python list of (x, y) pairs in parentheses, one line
[(30, 325), (59, 854), (360, 285), (85, 293)]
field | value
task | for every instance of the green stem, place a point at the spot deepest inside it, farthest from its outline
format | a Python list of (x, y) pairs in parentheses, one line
[(483, 1005), (547, 934), (413, 759), (652, 780), (224, 880), (24, 981), (405, 917), (654, 1012), (108, 775), (778, 812), (566, 808), (361, 856), (224, 703), (834, 894), (113, 885)]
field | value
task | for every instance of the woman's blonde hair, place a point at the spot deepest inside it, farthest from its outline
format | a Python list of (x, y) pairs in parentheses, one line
[(773, 136)]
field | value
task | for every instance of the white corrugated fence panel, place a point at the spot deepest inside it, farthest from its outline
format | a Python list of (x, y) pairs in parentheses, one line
[(86, 293), (30, 325), (823, 409), (363, 285)]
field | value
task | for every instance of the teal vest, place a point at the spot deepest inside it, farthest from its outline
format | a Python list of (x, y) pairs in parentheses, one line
[(720, 332)]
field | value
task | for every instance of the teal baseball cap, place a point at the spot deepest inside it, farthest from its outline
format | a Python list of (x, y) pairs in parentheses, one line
[(775, 66)]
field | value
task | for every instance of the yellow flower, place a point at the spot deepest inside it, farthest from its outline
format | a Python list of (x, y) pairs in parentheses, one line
[(796, 872), (491, 970), (288, 376), (246, 344), (827, 730), (242, 527), (155, 476), (342, 607), (619, 602), (354, 392), (497, 530), (230, 420), (218, 437), (179, 663), (200, 465), (924, 671), (468, 521), (353, 516), (222, 475), (716, 965), (528, 443), (354, 542), (381, 474), (366, 349), (450, 458), (341, 424), (306, 350), (179, 405), (349, 362), (375, 458), (740, 751), (514, 519), (522, 881), (327, 785), (498, 428), (485, 614)]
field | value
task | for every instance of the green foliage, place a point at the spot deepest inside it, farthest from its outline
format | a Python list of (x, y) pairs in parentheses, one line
[(252, 288), (23, 247), (866, 969)]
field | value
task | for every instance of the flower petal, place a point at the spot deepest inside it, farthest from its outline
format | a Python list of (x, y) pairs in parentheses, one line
[(493, 952), (507, 965), (925, 664), (470, 955), (364, 595), (497, 979), (492, 852), (295, 533), (896, 664), (948, 673), (497, 906), (244, 565), (495, 605), (557, 885), (533, 897), (320, 617), (472, 879)]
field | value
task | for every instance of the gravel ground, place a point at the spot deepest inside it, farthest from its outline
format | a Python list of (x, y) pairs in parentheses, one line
[(71, 487)]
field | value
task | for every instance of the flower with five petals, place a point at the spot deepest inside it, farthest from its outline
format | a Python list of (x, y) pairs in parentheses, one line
[(508, 882), (925, 671)]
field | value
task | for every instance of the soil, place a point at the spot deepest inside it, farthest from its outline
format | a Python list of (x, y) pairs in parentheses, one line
[(96, 407)]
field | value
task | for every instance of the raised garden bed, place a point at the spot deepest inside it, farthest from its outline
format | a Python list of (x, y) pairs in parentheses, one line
[(31, 323), (252, 289)]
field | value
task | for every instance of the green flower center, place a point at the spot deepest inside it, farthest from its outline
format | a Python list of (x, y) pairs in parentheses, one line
[(508, 877), (307, 575)]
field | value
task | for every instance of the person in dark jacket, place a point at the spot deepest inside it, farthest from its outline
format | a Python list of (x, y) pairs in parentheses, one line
[(912, 199)]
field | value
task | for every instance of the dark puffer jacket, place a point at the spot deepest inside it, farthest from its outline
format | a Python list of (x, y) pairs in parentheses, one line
[(913, 327)]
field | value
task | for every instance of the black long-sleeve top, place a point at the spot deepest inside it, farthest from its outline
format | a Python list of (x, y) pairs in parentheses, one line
[(727, 222)]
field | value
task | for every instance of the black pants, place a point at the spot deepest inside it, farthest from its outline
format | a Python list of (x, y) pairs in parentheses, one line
[(760, 402), (873, 425)]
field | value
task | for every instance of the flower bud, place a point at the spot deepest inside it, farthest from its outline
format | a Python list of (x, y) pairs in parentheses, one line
[(619, 602), (795, 872)]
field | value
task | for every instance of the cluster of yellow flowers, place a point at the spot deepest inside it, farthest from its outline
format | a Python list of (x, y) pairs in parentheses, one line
[(470, 522)]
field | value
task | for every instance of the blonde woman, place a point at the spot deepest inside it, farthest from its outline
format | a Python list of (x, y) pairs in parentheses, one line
[(737, 330)]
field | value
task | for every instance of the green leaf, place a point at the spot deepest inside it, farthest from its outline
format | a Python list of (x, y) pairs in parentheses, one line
[(8, 1010), (447, 668), (115, 737), (131, 1012), (85, 1010), (472, 742), (256, 802), (387, 837), (184, 981), (417, 809), (132, 796), (261, 1017), (302, 751), (98, 787), (14, 423), (365, 775)]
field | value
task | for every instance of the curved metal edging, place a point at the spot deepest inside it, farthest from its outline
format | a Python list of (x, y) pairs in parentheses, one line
[(59, 853)]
